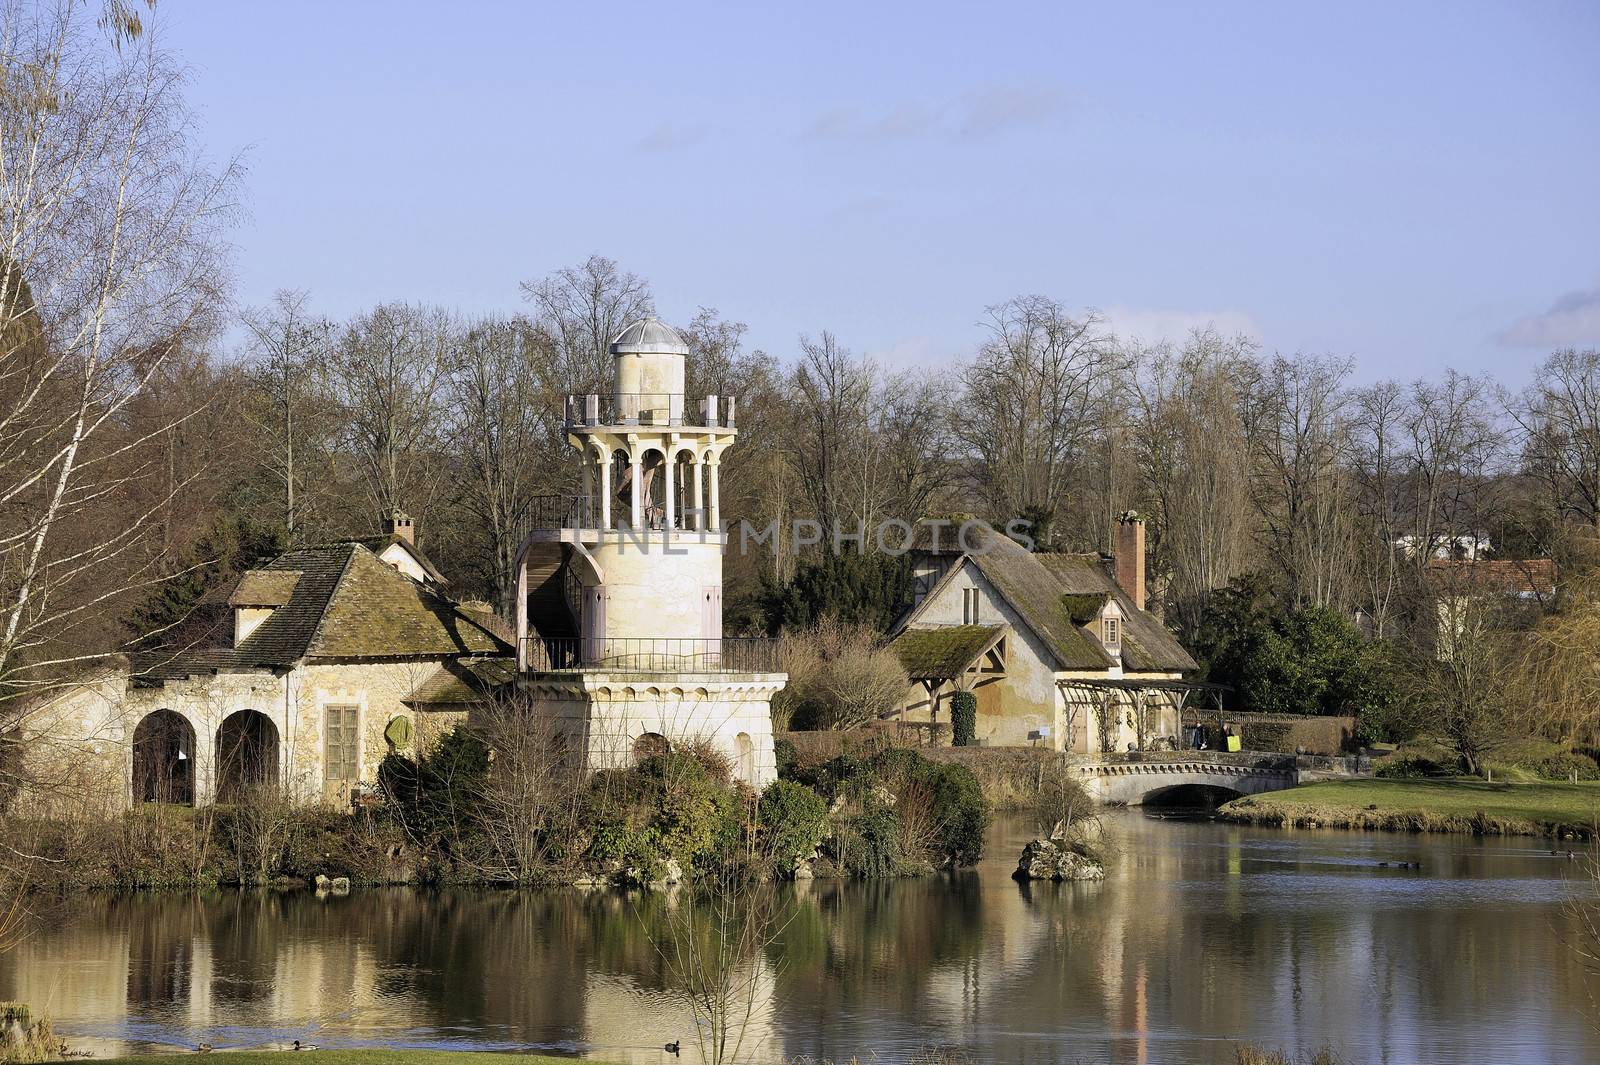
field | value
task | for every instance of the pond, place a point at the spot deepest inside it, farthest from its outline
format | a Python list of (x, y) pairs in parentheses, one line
[(1202, 935)]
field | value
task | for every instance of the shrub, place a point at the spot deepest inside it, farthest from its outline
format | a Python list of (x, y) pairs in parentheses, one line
[(964, 719), (962, 812), (869, 845), (669, 806), (793, 820), (785, 755), (1563, 765), (1410, 766), (840, 676)]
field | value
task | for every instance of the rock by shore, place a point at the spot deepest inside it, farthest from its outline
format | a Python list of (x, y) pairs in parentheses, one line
[(1049, 859)]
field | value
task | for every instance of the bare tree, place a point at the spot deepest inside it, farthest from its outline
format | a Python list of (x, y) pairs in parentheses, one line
[(289, 357), (505, 404), (1031, 402), (1193, 464), (1378, 466), (110, 264), (1296, 424), (389, 372), (832, 396), (582, 309), (1559, 414)]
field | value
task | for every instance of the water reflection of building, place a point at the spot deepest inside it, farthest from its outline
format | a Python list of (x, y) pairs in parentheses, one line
[(1202, 936)]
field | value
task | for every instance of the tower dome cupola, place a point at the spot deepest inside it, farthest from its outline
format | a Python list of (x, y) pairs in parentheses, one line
[(649, 358)]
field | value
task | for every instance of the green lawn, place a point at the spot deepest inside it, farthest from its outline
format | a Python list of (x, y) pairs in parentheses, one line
[(1460, 804), (344, 1057)]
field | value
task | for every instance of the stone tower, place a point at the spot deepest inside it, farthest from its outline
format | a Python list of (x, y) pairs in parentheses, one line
[(619, 618)]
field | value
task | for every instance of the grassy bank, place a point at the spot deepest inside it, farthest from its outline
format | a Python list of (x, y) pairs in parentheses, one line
[(346, 1057), (1451, 804)]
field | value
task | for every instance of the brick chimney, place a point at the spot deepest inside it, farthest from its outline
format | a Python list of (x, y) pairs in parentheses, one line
[(1130, 556), (398, 524)]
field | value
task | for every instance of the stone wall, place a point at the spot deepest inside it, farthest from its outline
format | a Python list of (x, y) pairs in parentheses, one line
[(81, 739), (602, 716)]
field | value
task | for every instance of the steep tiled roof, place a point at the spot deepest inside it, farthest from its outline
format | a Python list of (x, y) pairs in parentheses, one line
[(343, 603), (943, 652), (378, 613), (1147, 645), (1022, 579), (1052, 592)]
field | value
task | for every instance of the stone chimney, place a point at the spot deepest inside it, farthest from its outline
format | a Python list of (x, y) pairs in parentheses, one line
[(398, 524), (1130, 556)]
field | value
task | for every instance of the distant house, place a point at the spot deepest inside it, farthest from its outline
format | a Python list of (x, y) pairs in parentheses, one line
[(1462, 589), (1469, 546), (1058, 651), (336, 656)]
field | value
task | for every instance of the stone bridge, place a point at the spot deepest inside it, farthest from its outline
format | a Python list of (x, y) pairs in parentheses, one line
[(1136, 778)]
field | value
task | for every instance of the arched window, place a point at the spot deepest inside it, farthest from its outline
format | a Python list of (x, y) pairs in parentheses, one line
[(744, 750), (649, 745)]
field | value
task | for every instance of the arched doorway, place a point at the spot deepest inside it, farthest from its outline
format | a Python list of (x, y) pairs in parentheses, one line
[(650, 745), (247, 754), (745, 758), (163, 759)]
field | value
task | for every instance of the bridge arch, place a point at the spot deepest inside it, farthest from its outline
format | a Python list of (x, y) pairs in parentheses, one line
[(1191, 795), (1135, 780)]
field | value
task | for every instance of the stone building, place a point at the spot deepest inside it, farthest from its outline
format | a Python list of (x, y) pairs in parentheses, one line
[(1058, 650), (334, 657), (619, 628)]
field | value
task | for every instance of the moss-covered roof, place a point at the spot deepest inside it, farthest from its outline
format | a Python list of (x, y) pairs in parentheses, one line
[(376, 612), (463, 682), (264, 587), (1053, 595), (1084, 607), (343, 602), (1147, 644), (944, 652)]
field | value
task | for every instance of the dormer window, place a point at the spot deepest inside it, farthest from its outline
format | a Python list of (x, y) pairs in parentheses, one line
[(259, 593), (1111, 628)]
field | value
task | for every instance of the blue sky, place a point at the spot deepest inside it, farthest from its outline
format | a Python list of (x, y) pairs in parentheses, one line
[(1409, 185)]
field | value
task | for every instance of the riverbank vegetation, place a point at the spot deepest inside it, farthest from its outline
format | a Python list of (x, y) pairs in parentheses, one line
[(336, 1056), (464, 815), (1448, 804)]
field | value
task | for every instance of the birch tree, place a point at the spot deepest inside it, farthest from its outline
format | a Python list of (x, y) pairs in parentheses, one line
[(110, 263)]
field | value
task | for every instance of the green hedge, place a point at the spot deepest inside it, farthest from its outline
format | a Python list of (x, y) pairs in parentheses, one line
[(964, 719)]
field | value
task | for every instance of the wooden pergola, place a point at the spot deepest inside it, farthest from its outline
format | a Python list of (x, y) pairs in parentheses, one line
[(1096, 694)]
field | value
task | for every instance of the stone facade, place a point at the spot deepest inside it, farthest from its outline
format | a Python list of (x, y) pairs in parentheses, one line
[(86, 733), (602, 717)]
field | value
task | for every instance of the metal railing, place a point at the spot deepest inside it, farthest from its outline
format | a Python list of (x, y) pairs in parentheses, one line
[(649, 408), (649, 654), (562, 512)]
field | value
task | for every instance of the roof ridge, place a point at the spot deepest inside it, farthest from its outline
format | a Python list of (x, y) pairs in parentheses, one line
[(333, 592)]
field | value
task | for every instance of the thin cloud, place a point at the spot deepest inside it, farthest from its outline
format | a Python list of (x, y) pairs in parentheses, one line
[(983, 112), (1572, 319), (1154, 326), (997, 109), (670, 138)]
